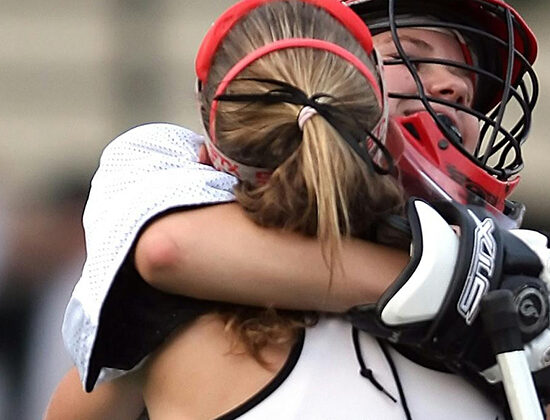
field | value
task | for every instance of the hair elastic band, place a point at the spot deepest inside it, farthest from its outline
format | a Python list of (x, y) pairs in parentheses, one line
[(305, 114)]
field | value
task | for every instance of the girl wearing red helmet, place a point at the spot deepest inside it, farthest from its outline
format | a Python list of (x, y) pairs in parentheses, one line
[(161, 266)]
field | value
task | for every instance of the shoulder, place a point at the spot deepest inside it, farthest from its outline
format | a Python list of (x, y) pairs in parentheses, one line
[(158, 131), (148, 149), (156, 137)]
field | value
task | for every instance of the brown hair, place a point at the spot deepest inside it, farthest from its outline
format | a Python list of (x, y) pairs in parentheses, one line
[(319, 185)]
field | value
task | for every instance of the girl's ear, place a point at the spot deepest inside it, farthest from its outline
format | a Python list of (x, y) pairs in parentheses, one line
[(198, 93), (203, 156), (198, 87)]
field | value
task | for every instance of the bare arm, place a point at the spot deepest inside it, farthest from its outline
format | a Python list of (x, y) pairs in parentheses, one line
[(118, 399), (218, 253)]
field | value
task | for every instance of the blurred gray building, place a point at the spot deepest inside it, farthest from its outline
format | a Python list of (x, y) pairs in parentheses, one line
[(75, 74)]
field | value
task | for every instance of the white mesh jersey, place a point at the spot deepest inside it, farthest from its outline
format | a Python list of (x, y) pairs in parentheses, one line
[(143, 172)]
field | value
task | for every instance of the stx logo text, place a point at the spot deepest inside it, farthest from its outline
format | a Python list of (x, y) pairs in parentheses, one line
[(481, 269)]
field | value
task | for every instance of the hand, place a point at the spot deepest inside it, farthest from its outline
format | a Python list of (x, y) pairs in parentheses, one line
[(434, 305)]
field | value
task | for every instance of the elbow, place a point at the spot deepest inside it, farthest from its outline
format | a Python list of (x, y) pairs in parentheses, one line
[(157, 257)]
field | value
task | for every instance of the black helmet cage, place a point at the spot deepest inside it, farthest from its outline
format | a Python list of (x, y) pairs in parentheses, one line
[(498, 149)]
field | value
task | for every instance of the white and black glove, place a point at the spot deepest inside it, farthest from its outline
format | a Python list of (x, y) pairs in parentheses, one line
[(433, 306)]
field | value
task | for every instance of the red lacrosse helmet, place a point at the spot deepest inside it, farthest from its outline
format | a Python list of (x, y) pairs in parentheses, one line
[(499, 49)]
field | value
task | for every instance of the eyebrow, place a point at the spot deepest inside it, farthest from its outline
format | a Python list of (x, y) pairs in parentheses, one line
[(413, 40)]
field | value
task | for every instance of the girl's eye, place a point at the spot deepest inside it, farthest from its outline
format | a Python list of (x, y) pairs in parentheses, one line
[(415, 64), (392, 59), (413, 60), (396, 59)]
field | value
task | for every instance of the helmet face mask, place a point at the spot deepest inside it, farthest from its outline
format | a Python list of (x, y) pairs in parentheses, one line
[(498, 49)]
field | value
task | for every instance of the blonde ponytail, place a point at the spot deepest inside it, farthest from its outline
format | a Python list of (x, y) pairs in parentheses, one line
[(319, 185)]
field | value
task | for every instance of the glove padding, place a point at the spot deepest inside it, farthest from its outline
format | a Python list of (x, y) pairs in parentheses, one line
[(433, 306)]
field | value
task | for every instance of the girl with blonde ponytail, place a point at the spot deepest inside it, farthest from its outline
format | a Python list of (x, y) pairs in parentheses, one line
[(290, 109), (294, 108), (295, 112)]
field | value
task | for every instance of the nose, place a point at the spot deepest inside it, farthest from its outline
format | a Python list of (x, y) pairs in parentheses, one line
[(443, 83)]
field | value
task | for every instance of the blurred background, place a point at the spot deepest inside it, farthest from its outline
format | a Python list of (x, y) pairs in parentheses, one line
[(74, 75)]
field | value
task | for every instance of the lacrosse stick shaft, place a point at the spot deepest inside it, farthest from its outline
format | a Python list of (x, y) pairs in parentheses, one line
[(501, 322), (519, 387)]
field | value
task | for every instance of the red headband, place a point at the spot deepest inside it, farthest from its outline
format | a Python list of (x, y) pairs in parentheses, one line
[(227, 20), (283, 44)]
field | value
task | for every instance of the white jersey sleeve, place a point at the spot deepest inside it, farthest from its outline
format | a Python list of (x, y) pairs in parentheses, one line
[(143, 172)]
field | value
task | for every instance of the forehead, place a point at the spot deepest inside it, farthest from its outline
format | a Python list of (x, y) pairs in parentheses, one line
[(431, 41)]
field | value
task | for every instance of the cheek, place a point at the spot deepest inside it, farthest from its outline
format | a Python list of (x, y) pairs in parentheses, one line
[(398, 80), (394, 106)]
